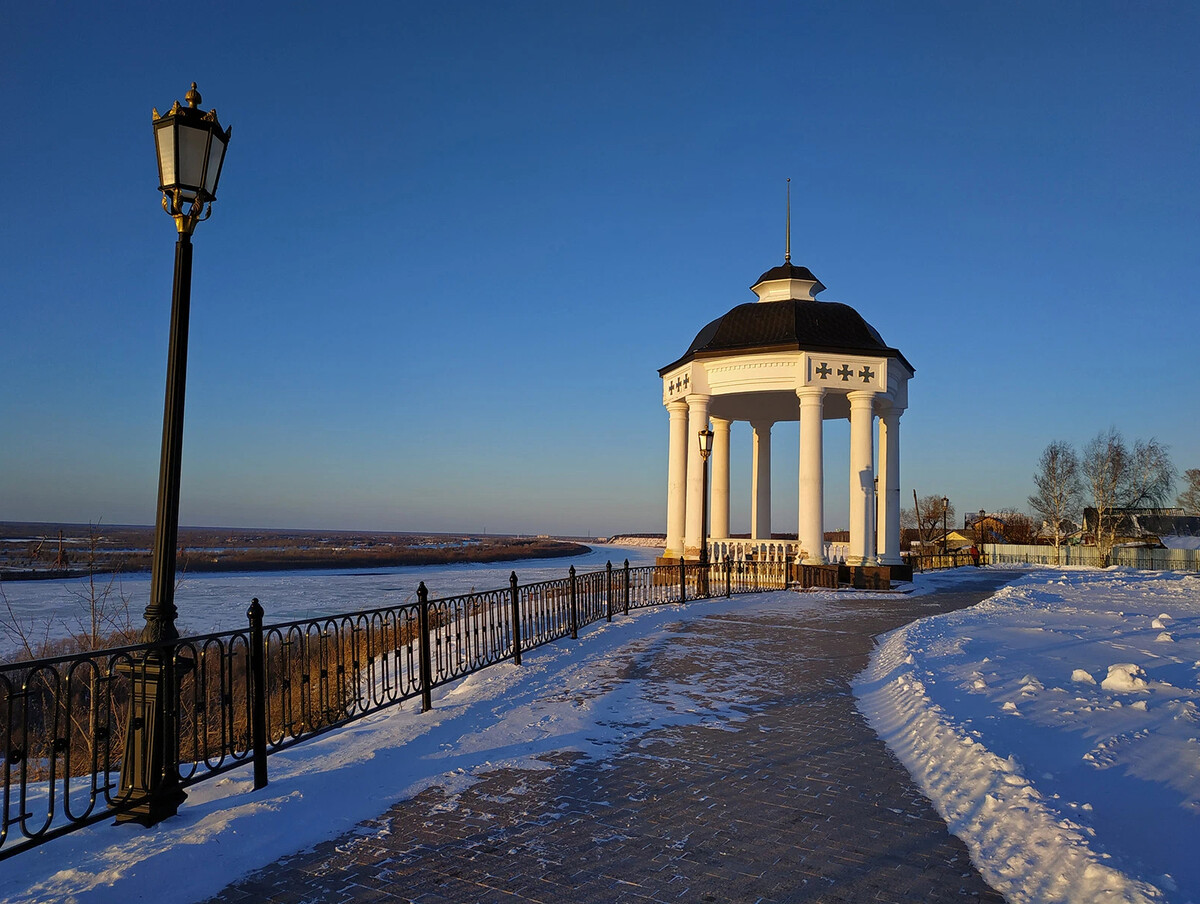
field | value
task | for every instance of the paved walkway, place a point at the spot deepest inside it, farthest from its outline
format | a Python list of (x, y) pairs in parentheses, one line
[(796, 802)]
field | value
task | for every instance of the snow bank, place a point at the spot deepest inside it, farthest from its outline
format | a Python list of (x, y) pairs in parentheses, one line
[(1056, 732)]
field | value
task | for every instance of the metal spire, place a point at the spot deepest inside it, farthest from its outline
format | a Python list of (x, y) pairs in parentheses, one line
[(787, 248)]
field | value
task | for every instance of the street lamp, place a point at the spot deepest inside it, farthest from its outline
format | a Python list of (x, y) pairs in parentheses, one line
[(191, 150), (706, 443), (945, 531)]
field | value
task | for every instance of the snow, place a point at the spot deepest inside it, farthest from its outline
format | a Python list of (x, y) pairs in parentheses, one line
[(1055, 727), (217, 601), (1180, 542), (1051, 728)]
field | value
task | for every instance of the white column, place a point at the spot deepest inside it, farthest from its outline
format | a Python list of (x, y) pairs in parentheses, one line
[(889, 485), (862, 476), (812, 476), (677, 460), (760, 490), (720, 479), (697, 421)]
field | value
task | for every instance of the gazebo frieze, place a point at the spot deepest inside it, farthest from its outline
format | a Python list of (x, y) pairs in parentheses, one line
[(836, 373)]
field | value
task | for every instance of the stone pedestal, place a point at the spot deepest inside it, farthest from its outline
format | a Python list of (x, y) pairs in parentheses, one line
[(865, 577), (150, 767)]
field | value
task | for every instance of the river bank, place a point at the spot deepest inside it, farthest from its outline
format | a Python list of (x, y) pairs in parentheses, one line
[(217, 601), (50, 552)]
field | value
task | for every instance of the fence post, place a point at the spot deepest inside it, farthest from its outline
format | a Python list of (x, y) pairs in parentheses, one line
[(258, 692), (626, 587), (516, 617), (574, 617), (682, 581), (608, 589), (426, 653), (728, 577)]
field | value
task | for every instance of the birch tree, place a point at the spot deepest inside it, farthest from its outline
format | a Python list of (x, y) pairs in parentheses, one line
[(1119, 477), (1058, 489), (1189, 499)]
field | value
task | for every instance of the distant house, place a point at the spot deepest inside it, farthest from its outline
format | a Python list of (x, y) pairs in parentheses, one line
[(1149, 527), (959, 539), (1068, 530), (984, 528)]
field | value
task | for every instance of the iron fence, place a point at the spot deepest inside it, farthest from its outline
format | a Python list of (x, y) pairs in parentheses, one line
[(65, 722), (1139, 557), (954, 558)]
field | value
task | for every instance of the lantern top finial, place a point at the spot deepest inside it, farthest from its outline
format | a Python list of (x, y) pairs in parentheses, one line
[(193, 97)]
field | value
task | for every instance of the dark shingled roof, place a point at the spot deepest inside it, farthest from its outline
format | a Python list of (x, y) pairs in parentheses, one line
[(791, 271), (784, 325)]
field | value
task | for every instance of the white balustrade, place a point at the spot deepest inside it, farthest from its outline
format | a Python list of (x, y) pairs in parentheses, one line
[(740, 549)]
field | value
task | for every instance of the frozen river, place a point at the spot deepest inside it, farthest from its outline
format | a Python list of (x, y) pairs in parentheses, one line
[(218, 601)]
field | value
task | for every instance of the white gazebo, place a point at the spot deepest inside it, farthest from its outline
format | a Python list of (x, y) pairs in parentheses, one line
[(786, 357)]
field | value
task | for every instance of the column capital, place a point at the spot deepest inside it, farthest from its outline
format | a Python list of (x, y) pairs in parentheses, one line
[(860, 398), (697, 398), (811, 392), (721, 423), (762, 425), (677, 407)]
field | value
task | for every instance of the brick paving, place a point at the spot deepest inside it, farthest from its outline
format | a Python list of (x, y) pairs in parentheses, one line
[(794, 801)]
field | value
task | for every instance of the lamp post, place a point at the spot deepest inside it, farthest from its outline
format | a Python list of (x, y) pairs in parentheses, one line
[(945, 532), (875, 522), (191, 150), (706, 443)]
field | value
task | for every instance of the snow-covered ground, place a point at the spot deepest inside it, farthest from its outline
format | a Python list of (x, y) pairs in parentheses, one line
[(1056, 728), (1068, 779)]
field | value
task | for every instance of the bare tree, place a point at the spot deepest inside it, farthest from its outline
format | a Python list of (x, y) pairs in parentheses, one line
[(1058, 488), (1189, 499), (926, 516), (1152, 478), (1018, 527), (1118, 477)]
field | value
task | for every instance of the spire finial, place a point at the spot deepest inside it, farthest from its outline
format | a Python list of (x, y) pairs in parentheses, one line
[(787, 248)]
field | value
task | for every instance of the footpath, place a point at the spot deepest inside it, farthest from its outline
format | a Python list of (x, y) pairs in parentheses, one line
[(794, 801)]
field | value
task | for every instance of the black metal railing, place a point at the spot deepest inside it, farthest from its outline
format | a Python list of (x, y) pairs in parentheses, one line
[(954, 558), (247, 693)]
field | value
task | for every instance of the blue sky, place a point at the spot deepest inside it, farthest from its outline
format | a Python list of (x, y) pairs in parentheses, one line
[(454, 241)]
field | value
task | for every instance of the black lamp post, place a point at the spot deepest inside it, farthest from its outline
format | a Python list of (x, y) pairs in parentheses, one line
[(706, 443), (191, 149), (945, 531)]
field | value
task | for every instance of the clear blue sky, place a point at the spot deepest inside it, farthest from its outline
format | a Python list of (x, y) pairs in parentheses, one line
[(454, 242)]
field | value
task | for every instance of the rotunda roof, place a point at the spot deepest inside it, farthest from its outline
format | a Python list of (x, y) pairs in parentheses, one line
[(803, 324)]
